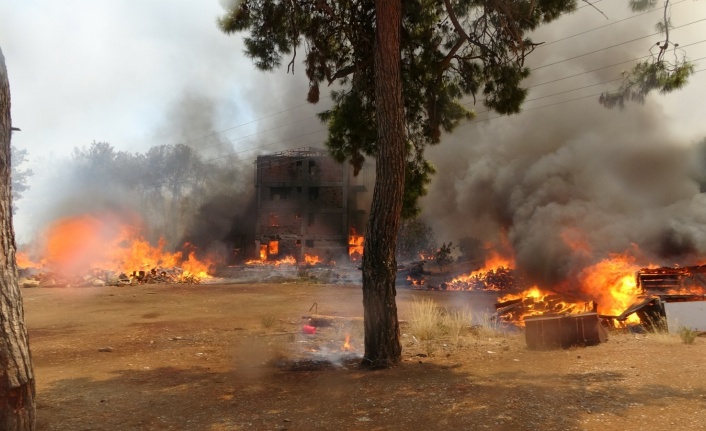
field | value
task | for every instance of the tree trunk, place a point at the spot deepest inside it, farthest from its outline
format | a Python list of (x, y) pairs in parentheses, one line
[(382, 330), (17, 407)]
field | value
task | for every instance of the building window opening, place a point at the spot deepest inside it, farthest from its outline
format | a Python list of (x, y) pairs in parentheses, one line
[(274, 220), (279, 193), (310, 243), (313, 193), (273, 248)]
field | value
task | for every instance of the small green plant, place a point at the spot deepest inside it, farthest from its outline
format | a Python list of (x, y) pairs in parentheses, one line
[(687, 335), (267, 321)]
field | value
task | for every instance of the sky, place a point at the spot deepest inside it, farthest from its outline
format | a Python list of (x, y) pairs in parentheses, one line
[(143, 73)]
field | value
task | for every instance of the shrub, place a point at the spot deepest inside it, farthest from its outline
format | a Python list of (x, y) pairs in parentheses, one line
[(267, 321), (687, 335)]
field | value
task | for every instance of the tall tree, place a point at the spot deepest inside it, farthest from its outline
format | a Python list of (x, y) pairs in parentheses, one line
[(20, 177), (382, 330), (17, 406), (448, 50)]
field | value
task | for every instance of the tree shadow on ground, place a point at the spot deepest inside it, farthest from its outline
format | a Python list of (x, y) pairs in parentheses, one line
[(414, 395)]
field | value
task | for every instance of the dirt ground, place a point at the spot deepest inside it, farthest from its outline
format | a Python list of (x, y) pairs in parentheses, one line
[(233, 357)]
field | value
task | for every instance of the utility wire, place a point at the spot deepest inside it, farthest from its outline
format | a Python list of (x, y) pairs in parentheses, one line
[(325, 129), (633, 16), (325, 97), (613, 46)]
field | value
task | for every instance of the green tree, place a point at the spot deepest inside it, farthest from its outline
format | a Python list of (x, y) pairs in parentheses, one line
[(439, 52), (665, 70), (20, 177), (17, 390)]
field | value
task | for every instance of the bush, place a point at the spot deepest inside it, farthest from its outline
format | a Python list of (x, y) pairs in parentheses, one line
[(267, 321)]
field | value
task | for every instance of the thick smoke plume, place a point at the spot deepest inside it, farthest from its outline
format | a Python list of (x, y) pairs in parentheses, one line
[(571, 183), (193, 192)]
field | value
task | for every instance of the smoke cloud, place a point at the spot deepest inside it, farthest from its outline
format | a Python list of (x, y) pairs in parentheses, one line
[(567, 184)]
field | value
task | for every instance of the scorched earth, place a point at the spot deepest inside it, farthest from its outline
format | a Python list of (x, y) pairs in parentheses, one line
[(234, 357)]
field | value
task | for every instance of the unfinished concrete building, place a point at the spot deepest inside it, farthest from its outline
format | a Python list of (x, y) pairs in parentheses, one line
[(307, 205)]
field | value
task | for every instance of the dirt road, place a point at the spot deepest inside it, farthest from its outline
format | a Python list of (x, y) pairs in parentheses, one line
[(233, 357)]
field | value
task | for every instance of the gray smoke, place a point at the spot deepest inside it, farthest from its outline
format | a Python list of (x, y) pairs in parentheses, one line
[(571, 183)]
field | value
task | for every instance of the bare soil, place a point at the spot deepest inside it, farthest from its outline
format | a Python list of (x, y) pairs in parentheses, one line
[(233, 357)]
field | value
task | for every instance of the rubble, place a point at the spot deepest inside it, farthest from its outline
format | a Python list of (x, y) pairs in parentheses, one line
[(33, 277)]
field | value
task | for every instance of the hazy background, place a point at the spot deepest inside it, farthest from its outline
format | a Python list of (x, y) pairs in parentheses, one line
[(565, 171)]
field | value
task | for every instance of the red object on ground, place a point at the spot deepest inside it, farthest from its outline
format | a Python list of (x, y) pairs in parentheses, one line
[(309, 329)]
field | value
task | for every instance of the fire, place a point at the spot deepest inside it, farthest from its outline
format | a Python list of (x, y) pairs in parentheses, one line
[(75, 245), (355, 245), (414, 281), (493, 262), (611, 283), (311, 260), (24, 261), (288, 260), (263, 252), (273, 247), (347, 343)]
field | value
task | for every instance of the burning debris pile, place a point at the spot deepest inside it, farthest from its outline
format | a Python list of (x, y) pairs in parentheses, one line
[(614, 287), (103, 250), (499, 279), (34, 277), (669, 298)]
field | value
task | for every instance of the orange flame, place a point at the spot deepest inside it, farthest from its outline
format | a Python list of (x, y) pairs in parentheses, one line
[(611, 283), (24, 261), (311, 260), (288, 260), (77, 244), (355, 245), (273, 247), (493, 262), (347, 343)]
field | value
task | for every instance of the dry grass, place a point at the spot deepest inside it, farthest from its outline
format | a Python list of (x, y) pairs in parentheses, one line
[(490, 327), (426, 320), (434, 328), (456, 323)]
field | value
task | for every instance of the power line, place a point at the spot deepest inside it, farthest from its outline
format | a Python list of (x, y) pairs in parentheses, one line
[(613, 46), (325, 97), (606, 25), (325, 129)]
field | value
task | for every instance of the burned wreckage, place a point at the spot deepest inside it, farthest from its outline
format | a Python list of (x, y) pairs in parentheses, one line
[(670, 298)]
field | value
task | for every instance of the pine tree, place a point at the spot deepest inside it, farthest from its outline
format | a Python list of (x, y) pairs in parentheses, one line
[(17, 406), (443, 50)]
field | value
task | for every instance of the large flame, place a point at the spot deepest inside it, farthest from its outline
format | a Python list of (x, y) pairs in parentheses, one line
[(493, 262), (75, 245), (611, 283)]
